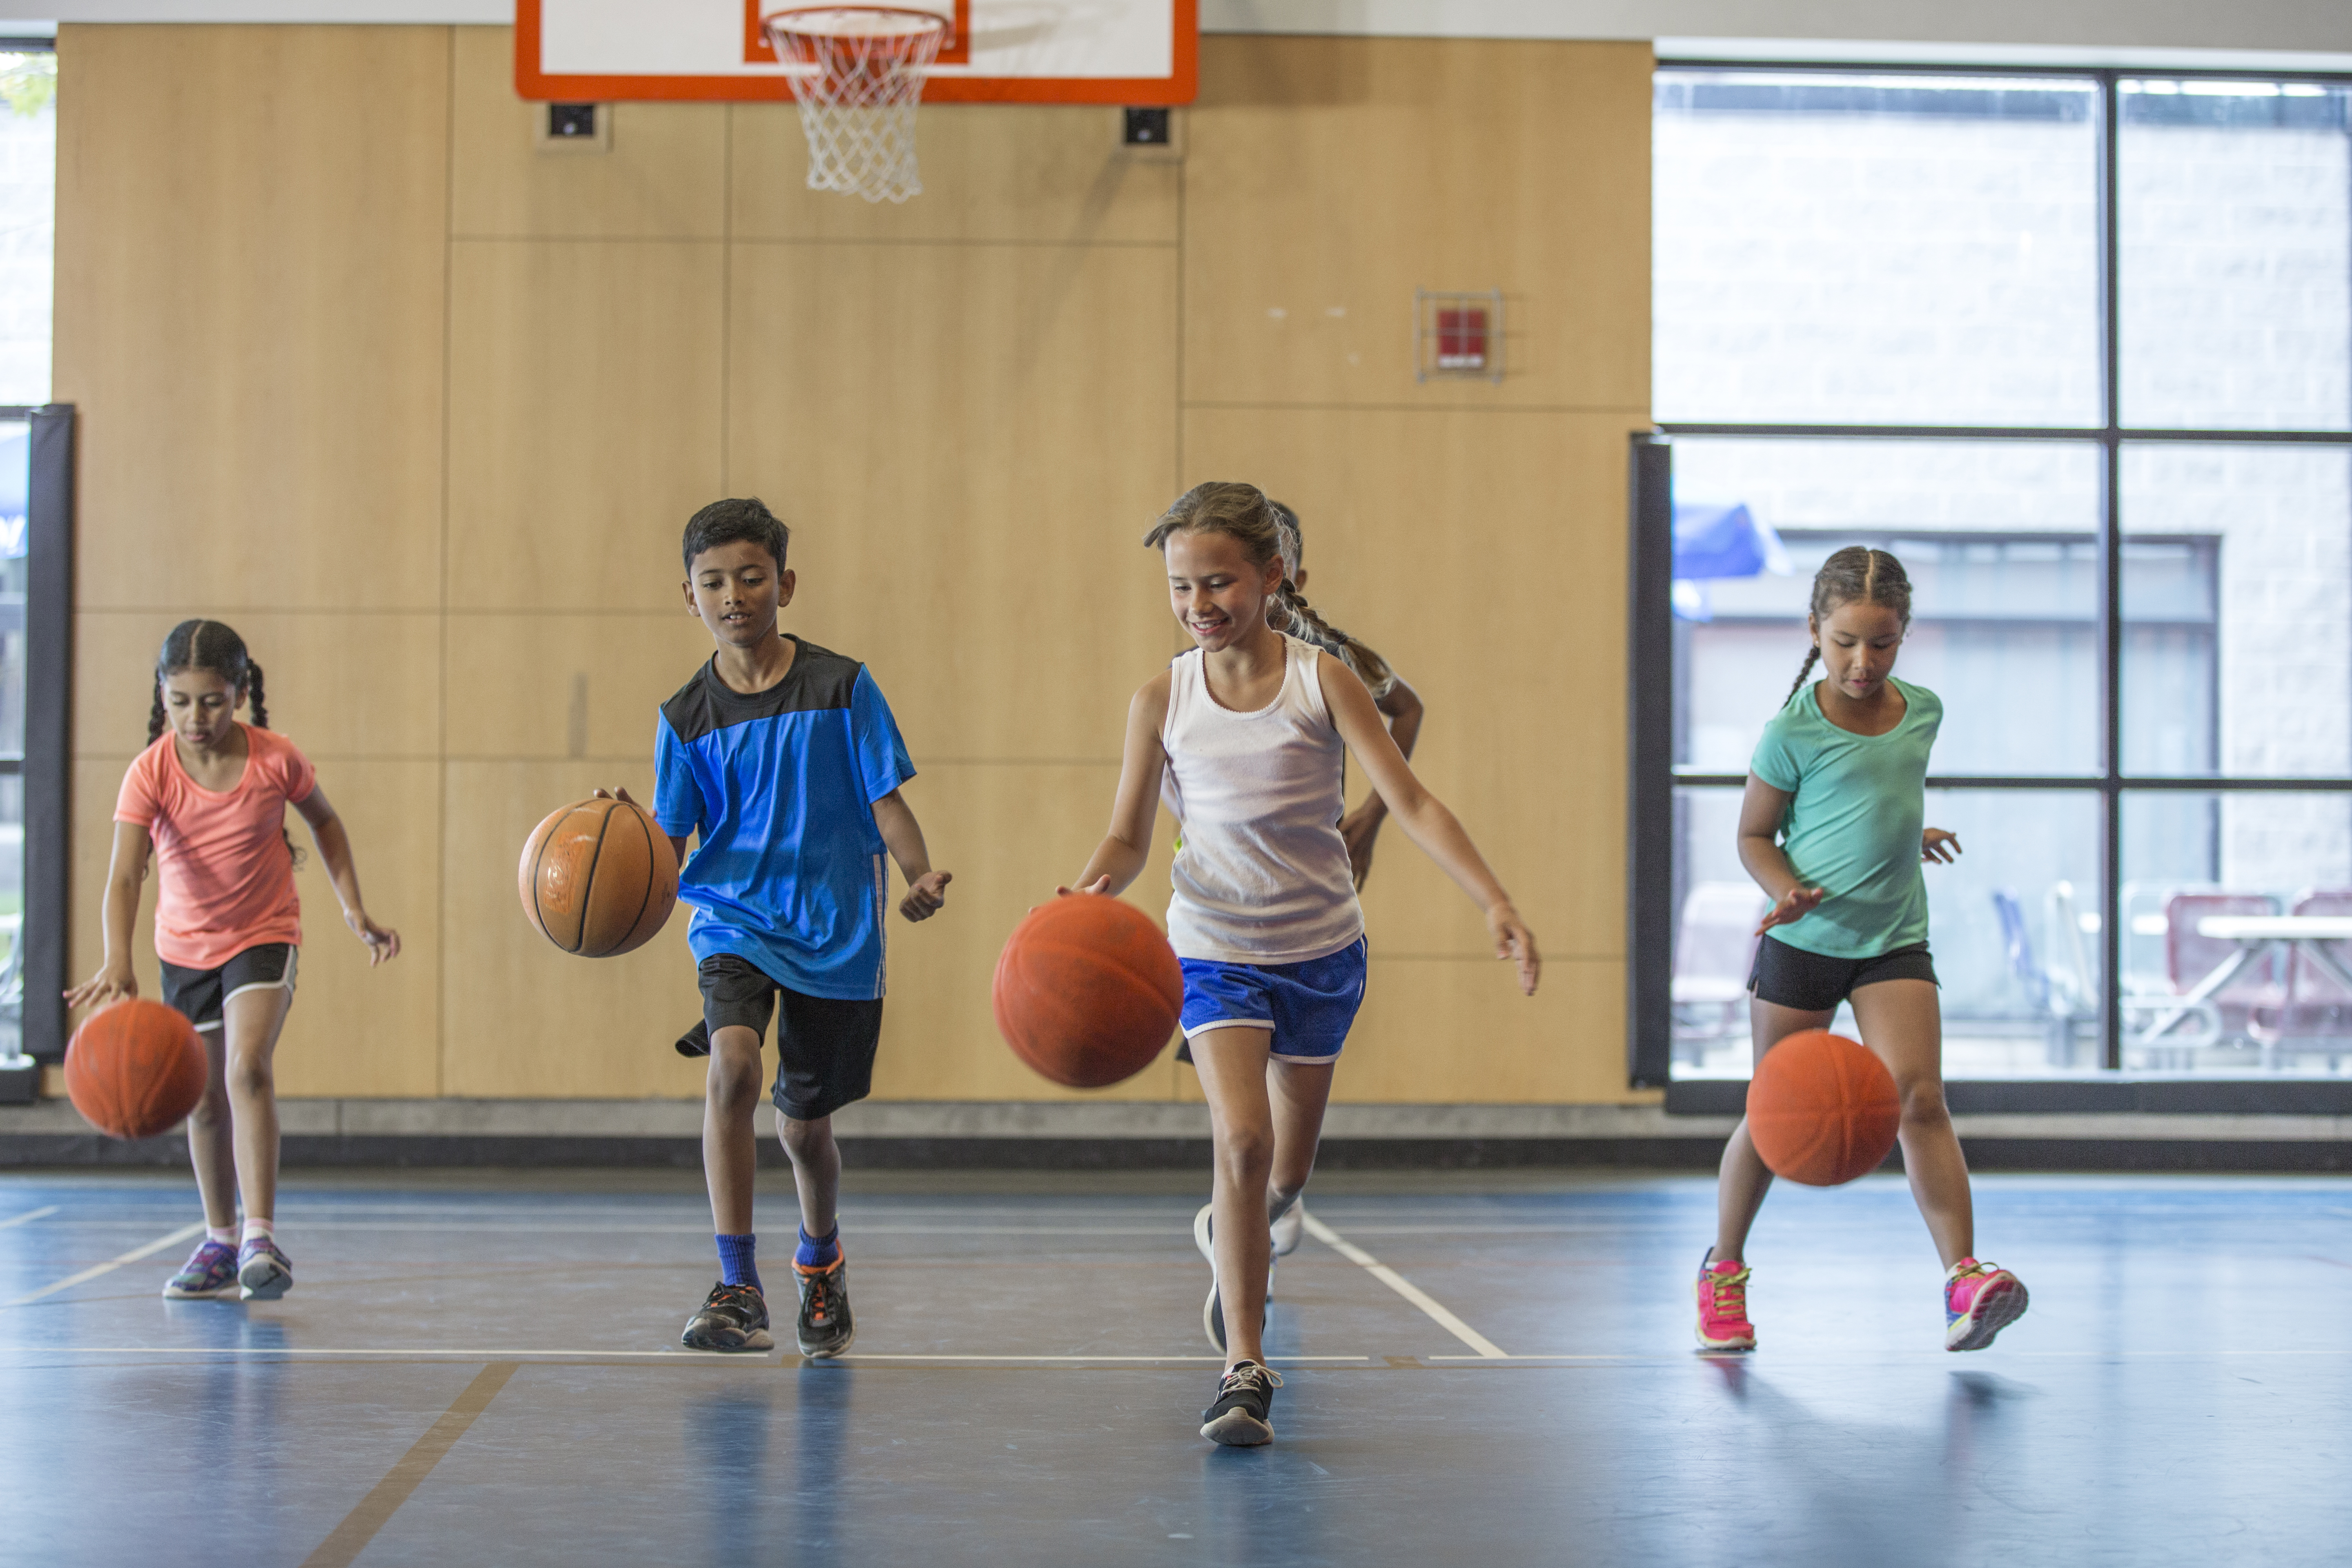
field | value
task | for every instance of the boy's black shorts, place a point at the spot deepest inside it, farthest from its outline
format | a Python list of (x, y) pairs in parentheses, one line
[(1791, 977), (825, 1044)]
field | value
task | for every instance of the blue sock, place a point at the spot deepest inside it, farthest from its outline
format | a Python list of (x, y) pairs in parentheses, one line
[(814, 1253), (736, 1262)]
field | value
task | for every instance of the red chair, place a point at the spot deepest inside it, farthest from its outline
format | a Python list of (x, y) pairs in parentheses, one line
[(2316, 1017), (2189, 957)]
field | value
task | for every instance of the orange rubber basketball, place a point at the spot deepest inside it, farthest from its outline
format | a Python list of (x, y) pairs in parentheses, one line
[(1087, 991), (135, 1070), (1822, 1108), (598, 878)]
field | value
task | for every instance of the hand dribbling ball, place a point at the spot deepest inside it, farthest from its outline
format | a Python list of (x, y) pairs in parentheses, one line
[(135, 1070), (1822, 1108), (1087, 991), (598, 878)]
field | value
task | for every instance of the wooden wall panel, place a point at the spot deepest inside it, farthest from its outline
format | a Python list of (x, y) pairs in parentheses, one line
[(1483, 554), (665, 176), (1327, 178), (1447, 1031), (521, 1019), (569, 686), (994, 173), (1010, 833), (340, 683), (250, 249), (969, 442), (584, 419)]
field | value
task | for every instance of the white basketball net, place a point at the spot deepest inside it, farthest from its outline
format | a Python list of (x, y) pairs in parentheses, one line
[(856, 72)]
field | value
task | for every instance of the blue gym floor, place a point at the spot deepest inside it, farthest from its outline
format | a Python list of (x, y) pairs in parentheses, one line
[(483, 1368)]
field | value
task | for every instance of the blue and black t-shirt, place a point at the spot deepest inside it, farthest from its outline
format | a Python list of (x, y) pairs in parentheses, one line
[(789, 874)]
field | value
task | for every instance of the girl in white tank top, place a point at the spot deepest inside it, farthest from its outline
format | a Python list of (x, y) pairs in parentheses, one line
[(1244, 739)]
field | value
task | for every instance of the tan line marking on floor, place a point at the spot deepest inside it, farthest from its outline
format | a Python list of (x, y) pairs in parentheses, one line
[(359, 1525), (1403, 1286), (28, 1216), (134, 1256)]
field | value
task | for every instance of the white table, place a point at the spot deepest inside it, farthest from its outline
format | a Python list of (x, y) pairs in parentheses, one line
[(2255, 936)]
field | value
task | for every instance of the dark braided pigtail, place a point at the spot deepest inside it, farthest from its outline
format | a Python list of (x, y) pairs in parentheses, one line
[(254, 700), (1370, 667), (157, 721), (1854, 575)]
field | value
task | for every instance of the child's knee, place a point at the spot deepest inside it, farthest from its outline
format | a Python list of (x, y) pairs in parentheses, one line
[(212, 1111), (733, 1079), (1922, 1104), (1245, 1150), (249, 1074), (804, 1139)]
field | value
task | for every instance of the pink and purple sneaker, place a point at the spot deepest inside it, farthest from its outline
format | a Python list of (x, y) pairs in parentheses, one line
[(209, 1273), (1980, 1300), (1723, 1323)]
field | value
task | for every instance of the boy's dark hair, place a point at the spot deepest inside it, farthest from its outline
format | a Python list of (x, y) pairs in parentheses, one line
[(727, 522)]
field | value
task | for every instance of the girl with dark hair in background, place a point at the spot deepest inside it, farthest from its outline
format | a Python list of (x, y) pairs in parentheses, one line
[(208, 799), (1832, 828), (1398, 703)]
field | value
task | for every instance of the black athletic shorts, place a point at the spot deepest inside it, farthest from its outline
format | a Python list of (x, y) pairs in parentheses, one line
[(1790, 977), (200, 994), (825, 1044)]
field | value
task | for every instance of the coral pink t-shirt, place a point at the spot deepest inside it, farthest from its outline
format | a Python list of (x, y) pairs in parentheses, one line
[(224, 876)]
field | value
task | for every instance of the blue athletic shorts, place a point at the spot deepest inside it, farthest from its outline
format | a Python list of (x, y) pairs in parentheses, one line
[(1309, 1007)]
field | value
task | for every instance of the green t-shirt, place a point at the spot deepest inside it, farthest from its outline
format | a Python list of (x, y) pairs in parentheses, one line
[(1857, 805)]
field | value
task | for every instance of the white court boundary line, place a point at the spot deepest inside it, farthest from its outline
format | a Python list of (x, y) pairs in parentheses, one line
[(704, 1358), (27, 1217), (1405, 1288), (134, 1256)]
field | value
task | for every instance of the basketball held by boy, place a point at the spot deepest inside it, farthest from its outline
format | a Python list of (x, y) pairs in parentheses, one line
[(780, 761), (206, 801), (1832, 828), (1243, 739)]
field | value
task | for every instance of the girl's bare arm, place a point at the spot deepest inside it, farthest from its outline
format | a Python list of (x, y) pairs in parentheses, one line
[(1119, 858), (1762, 811), (335, 848), (125, 871), (1424, 817)]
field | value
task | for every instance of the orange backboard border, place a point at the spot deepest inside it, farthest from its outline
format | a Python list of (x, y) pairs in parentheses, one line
[(1177, 87)]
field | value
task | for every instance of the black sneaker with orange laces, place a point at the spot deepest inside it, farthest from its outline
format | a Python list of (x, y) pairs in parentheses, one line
[(733, 1318), (824, 1327)]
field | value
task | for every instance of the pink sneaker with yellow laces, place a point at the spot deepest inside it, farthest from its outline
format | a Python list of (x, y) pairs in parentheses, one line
[(1980, 1300), (1723, 1323)]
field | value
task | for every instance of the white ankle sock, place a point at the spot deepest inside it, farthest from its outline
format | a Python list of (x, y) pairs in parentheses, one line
[(258, 1227), (224, 1234)]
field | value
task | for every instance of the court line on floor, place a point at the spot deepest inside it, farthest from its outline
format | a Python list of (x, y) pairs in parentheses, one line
[(1403, 1287), (351, 1538), (706, 1358), (134, 1256), (27, 1217)]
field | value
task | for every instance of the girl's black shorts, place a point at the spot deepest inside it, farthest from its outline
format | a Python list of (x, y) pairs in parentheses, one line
[(825, 1044), (1788, 976), (200, 995)]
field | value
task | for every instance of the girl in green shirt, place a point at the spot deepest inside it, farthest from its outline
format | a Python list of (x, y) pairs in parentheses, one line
[(1833, 829)]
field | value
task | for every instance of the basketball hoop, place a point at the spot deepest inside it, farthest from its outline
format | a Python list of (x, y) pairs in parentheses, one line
[(856, 72)]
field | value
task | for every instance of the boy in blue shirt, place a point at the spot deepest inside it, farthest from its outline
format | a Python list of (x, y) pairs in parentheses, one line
[(783, 760)]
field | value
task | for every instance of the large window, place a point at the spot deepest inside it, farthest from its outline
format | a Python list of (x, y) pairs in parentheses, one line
[(27, 203), (2077, 346)]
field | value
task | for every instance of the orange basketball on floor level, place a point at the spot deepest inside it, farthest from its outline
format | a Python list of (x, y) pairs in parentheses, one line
[(135, 1070), (1822, 1110), (598, 878), (1087, 991)]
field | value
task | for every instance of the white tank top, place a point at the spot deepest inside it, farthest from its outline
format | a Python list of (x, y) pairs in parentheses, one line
[(1262, 875)]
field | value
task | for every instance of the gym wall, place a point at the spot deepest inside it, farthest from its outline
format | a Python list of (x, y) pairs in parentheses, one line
[(422, 409)]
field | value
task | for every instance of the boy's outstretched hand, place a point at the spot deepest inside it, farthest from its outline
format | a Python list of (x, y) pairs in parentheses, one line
[(1513, 940), (927, 894)]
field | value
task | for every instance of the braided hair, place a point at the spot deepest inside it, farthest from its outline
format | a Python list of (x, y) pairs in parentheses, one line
[(1854, 575), (1243, 513), (216, 649)]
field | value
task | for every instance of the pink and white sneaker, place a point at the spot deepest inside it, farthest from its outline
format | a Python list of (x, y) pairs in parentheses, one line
[(1980, 1300), (1723, 1323)]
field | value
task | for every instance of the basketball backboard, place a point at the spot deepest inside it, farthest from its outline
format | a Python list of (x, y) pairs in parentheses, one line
[(1137, 52)]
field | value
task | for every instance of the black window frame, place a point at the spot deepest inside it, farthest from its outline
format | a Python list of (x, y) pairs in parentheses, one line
[(1651, 675)]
